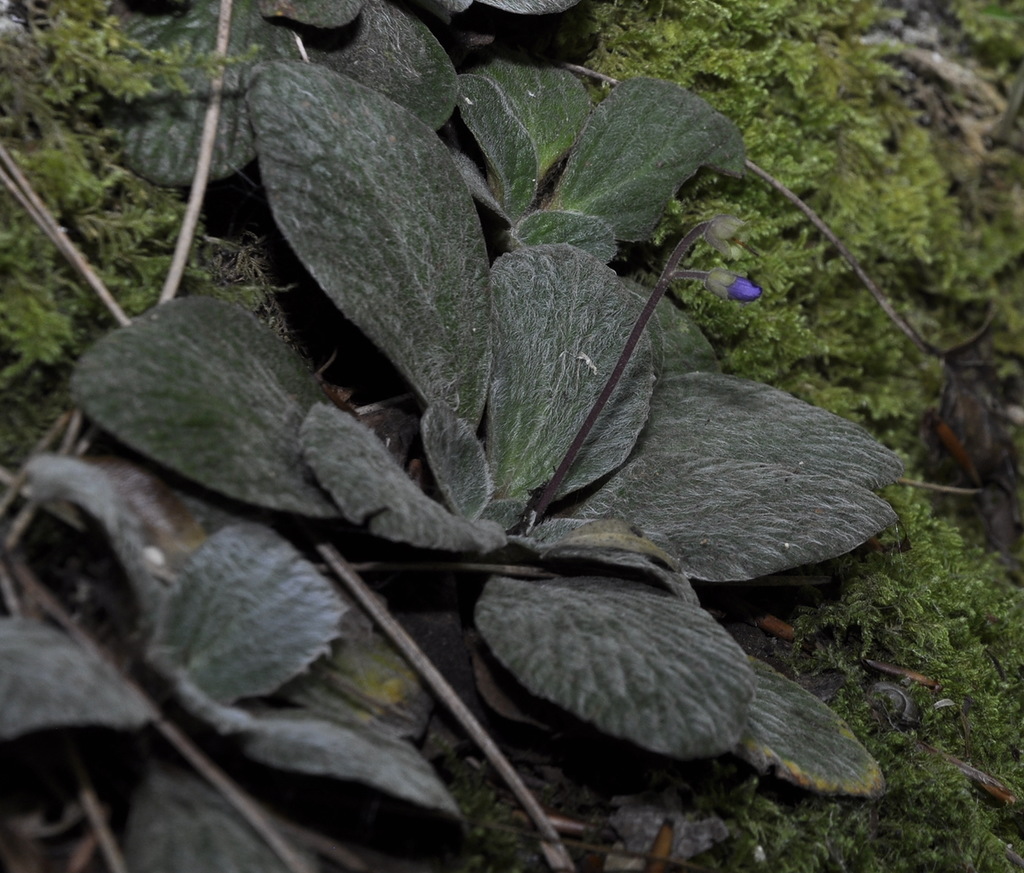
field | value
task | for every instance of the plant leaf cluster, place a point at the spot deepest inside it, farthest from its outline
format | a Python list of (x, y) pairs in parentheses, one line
[(505, 340)]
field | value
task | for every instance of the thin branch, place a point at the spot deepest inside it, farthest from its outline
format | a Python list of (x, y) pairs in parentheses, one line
[(203, 161), (942, 489), (15, 182), (94, 811), (589, 73), (922, 344), (555, 852), (524, 571), (242, 803)]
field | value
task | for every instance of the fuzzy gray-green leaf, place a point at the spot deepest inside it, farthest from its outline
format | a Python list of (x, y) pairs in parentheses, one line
[(177, 822), (561, 322), (162, 130), (793, 733), (638, 146), (201, 387), (636, 663), (371, 489), (524, 118), (737, 480), (48, 681), (317, 13), (457, 461), (355, 752), (530, 7), (393, 52), (248, 613), (588, 232), (373, 205)]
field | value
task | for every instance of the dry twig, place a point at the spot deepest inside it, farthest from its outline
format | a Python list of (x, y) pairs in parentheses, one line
[(203, 161), (16, 183), (554, 850)]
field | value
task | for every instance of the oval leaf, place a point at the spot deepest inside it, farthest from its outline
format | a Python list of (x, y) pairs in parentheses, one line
[(373, 205), (716, 416), (57, 477), (531, 7), (510, 154), (371, 489), (640, 665), (457, 461), (760, 482), (638, 146), (524, 118), (588, 232), (248, 614), (354, 752), (203, 388), (318, 13), (48, 681), (177, 822), (393, 52), (561, 322), (162, 131), (793, 733)]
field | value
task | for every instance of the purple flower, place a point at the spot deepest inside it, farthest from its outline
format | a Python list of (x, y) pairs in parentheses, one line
[(731, 286)]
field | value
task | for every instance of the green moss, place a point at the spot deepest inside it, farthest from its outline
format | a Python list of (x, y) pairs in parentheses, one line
[(54, 87), (827, 115), (492, 842), (946, 611), (936, 223)]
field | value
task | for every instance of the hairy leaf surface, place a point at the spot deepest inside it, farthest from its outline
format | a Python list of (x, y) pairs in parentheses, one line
[(737, 480), (588, 232), (248, 613), (371, 489), (162, 131), (524, 117), (457, 461), (793, 733), (317, 13), (561, 322), (638, 664), (393, 52), (201, 387), (638, 146), (376, 210), (355, 752), (177, 822), (48, 681)]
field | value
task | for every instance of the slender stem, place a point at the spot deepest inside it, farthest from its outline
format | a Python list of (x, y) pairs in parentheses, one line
[(16, 183), (203, 162), (922, 344), (94, 810), (555, 852), (536, 508)]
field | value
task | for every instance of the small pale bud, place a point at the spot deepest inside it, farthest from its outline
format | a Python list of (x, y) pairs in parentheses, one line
[(723, 233)]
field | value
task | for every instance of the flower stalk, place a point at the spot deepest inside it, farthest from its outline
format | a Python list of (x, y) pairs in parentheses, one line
[(718, 232)]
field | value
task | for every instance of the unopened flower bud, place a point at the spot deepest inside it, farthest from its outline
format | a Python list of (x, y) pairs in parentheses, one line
[(731, 286), (723, 233)]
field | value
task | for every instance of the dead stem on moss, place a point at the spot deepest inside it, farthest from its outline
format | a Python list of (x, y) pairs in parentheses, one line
[(942, 489), (16, 183), (203, 162), (922, 344)]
